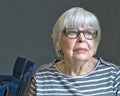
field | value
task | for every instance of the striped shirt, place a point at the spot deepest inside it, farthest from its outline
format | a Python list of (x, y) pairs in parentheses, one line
[(104, 80)]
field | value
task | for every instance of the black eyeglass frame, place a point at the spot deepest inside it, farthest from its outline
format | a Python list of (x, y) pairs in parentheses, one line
[(93, 34)]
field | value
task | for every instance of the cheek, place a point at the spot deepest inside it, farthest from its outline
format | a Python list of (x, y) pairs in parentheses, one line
[(92, 44), (91, 47), (67, 44)]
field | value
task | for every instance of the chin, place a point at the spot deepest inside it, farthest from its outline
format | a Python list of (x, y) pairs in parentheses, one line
[(83, 58)]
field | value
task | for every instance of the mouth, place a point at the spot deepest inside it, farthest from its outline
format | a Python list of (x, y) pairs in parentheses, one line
[(81, 50)]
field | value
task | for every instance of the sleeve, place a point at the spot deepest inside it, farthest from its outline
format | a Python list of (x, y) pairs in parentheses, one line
[(117, 84), (33, 89), (118, 93)]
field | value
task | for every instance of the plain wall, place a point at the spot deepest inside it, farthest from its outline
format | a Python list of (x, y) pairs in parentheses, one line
[(26, 27)]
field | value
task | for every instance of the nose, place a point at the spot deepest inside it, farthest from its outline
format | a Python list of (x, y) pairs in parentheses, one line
[(81, 37)]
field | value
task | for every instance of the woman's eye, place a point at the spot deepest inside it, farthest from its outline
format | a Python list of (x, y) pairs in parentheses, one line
[(70, 32), (73, 32), (88, 32)]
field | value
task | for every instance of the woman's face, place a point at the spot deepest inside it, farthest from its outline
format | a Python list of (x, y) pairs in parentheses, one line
[(79, 48)]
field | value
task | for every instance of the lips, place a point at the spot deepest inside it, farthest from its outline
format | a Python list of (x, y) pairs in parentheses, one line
[(80, 50)]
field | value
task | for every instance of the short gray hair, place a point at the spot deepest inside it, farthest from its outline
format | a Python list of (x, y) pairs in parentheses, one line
[(75, 17)]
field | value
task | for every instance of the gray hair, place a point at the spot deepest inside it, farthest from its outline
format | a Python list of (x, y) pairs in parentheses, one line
[(75, 17)]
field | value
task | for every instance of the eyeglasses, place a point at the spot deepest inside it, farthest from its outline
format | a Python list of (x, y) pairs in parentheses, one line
[(73, 33)]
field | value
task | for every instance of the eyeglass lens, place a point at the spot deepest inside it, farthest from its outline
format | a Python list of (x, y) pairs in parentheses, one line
[(74, 33)]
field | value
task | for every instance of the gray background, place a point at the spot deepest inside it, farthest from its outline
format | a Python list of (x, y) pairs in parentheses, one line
[(26, 25)]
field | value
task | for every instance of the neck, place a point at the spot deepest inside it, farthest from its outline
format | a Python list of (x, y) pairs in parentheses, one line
[(76, 69)]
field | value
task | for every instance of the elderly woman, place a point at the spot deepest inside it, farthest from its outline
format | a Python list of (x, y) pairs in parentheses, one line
[(76, 36)]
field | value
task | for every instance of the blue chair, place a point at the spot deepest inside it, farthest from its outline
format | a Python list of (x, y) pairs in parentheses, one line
[(3, 90), (24, 83), (17, 81)]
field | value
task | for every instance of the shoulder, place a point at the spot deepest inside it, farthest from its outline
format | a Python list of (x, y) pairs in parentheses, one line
[(44, 66), (111, 65), (47, 66)]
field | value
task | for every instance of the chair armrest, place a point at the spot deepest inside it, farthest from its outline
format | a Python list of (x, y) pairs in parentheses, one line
[(7, 78)]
